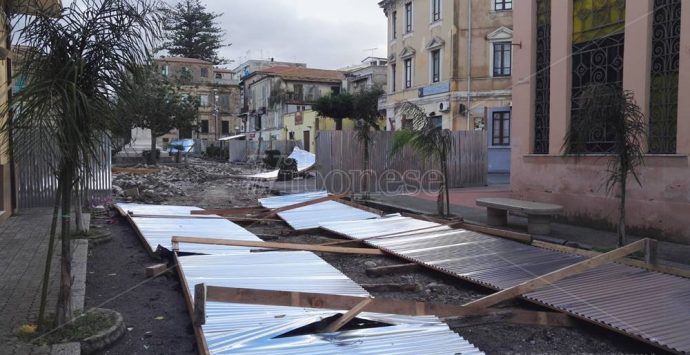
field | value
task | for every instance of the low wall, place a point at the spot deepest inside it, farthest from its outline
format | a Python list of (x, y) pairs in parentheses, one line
[(660, 208)]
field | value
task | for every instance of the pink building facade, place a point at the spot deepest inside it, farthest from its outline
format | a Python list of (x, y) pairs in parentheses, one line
[(643, 46)]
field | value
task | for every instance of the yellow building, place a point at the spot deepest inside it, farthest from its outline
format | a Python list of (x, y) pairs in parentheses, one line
[(454, 59), (303, 127)]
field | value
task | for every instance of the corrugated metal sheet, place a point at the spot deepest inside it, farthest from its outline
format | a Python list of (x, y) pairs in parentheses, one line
[(329, 211), (159, 231), (287, 200), (305, 161), (254, 329), (650, 306), (138, 209)]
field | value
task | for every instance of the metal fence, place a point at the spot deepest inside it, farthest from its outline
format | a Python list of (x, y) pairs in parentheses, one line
[(37, 184), (250, 150), (339, 162)]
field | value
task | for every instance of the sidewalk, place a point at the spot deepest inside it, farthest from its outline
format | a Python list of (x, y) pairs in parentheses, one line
[(463, 204), (23, 248)]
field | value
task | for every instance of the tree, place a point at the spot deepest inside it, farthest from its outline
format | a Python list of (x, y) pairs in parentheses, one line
[(192, 32), (361, 107), (148, 100), (615, 110), (75, 62), (337, 106), (430, 141)]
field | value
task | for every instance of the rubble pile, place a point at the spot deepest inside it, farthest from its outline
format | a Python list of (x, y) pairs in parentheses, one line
[(155, 184)]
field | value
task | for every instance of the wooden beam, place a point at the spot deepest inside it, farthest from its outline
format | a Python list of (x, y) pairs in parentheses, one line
[(199, 304), (155, 270), (516, 236), (377, 305), (625, 261), (304, 204), (650, 252), (391, 269), (556, 275), (274, 245), (345, 318)]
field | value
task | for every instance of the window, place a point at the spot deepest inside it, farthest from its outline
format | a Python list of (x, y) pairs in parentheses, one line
[(393, 72), (225, 127), (502, 5), (435, 10), (166, 140), (204, 126), (437, 121), (203, 100), (204, 72), (408, 17), (394, 24), (219, 76), (165, 70), (502, 57), (335, 90), (436, 66), (298, 89), (500, 128), (408, 73)]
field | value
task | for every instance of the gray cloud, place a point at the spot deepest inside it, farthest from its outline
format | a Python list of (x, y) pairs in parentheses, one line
[(325, 34)]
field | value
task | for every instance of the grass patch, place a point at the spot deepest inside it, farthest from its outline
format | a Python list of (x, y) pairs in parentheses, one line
[(83, 326)]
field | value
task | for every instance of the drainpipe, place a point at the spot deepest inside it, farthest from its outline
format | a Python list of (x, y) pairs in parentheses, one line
[(469, 60)]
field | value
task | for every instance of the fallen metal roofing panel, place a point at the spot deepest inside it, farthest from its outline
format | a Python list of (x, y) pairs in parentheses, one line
[(159, 231), (255, 329), (138, 209), (287, 200), (647, 305), (305, 160), (308, 217)]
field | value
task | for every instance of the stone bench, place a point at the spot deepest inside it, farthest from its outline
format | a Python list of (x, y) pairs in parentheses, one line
[(538, 214)]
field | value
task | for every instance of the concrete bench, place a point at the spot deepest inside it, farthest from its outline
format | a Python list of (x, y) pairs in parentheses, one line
[(538, 214)]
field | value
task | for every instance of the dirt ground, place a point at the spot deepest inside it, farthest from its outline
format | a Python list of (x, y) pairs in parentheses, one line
[(125, 257), (153, 310)]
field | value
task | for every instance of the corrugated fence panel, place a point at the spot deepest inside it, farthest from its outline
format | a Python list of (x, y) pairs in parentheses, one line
[(339, 160), (37, 184)]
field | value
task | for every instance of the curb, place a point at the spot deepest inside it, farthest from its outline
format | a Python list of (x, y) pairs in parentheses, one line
[(106, 337)]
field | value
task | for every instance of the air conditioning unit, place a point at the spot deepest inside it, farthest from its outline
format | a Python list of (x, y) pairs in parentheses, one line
[(444, 106)]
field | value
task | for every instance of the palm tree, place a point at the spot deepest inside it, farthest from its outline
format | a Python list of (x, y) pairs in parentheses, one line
[(430, 141), (74, 64), (366, 113), (610, 109)]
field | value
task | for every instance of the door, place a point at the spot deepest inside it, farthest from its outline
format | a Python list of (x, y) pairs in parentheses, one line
[(306, 141)]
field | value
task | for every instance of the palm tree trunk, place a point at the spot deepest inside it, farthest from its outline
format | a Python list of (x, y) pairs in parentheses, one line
[(49, 259), (621, 217), (365, 170), (152, 154), (64, 304), (444, 169)]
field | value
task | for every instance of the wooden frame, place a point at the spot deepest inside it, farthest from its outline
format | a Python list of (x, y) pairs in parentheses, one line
[(364, 304), (274, 245), (547, 279)]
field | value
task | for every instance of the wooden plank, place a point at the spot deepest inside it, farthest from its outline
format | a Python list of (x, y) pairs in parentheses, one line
[(199, 317), (556, 275), (155, 270), (274, 245), (348, 316), (625, 261), (202, 345), (305, 203)]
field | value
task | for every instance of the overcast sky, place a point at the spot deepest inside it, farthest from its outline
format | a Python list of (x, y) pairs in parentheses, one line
[(327, 34)]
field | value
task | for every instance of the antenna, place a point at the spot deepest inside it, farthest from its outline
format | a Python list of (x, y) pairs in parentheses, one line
[(370, 50)]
